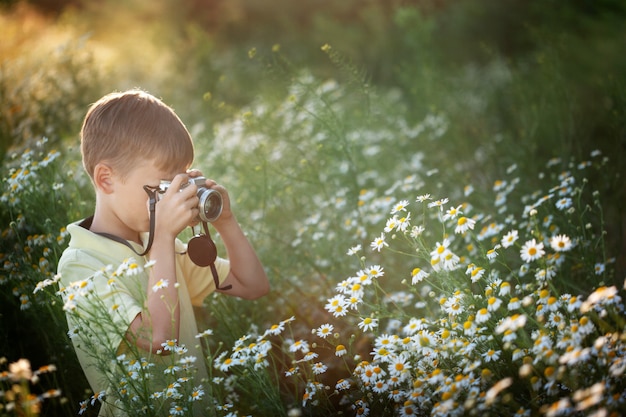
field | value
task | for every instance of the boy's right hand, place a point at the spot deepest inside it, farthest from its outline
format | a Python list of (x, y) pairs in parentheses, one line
[(176, 208)]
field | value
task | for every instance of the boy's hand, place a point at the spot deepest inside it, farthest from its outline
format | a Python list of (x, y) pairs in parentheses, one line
[(177, 208), (226, 211)]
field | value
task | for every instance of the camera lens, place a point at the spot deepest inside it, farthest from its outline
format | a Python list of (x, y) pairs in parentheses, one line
[(210, 204)]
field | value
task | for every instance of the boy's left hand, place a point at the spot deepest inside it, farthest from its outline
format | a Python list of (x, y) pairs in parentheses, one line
[(226, 212)]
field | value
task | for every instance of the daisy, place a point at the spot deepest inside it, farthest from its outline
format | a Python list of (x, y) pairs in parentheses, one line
[(291, 371), (509, 336), (196, 394), (451, 261), (532, 251), (340, 350), (418, 275), (512, 323), (380, 387), (599, 268), (561, 243), (404, 222), (492, 253), (275, 329), (573, 302), (379, 243), (494, 392), (603, 295), (399, 364), (464, 224), (416, 231), (385, 340), (440, 249), (452, 212), (299, 345), (494, 303), (400, 206), (436, 264), (469, 328), (354, 250), (134, 269), (342, 385), (414, 326), (509, 238), (177, 410), (73, 332), (505, 288), (82, 406), (438, 203), (499, 185), (356, 290), (162, 283), (422, 198), (375, 271), (368, 323), (324, 330), (169, 345), (83, 287), (353, 303), (319, 368), (482, 315), (391, 224), (308, 357), (476, 273), (563, 203), (556, 319), (491, 355), (337, 305), (372, 373)]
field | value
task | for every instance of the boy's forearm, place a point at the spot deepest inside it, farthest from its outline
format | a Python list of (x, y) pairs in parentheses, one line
[(246, 271), (161, 317)]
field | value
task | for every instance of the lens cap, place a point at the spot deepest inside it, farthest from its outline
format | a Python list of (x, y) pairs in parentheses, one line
[(202, 250)]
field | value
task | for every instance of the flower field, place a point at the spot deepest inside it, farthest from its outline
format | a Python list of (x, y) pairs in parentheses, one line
[(445, 241)]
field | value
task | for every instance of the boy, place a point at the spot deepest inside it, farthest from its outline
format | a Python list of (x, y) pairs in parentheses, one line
[(130, 142)]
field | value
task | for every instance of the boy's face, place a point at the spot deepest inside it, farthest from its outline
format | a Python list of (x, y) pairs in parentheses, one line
[(131, 200)]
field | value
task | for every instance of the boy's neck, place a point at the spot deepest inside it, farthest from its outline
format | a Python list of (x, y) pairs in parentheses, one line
[(105, 224)]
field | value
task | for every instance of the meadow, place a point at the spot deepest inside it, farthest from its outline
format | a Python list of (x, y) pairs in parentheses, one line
[(435, 190)]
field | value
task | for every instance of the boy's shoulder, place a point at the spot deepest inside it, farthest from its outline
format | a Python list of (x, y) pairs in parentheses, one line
[(87, 253)]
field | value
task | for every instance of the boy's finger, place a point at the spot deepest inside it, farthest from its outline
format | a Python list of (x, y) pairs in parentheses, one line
[(194, 173), (179, 181)]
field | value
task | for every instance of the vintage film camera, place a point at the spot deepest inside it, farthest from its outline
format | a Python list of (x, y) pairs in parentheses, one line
[(210, 204)]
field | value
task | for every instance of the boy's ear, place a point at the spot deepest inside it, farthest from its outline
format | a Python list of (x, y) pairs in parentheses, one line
[(103, 178)]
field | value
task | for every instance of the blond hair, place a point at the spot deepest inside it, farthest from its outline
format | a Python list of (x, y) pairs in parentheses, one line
[(124, 128)]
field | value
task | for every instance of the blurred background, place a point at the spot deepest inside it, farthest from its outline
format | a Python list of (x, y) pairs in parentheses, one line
[(535, 79), (181, 50)]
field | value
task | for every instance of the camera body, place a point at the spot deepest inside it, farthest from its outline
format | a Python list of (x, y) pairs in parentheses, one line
[(210, 204)]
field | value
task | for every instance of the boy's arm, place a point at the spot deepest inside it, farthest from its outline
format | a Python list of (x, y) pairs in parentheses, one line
[(247, 276), (160, 319)]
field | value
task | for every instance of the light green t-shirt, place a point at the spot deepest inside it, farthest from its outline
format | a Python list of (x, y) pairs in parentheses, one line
[(104, 284)]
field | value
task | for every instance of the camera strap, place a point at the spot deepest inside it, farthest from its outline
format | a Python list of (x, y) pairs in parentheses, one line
[(152, 194), (201, 249)]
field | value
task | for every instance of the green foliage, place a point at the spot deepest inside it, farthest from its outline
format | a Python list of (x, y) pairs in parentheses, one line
[(42, 192), (45, 96)]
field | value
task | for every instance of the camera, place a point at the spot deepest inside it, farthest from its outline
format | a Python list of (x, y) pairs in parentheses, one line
[(210, 204)]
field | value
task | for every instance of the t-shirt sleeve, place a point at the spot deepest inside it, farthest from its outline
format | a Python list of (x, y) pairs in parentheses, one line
[(94, 298)]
